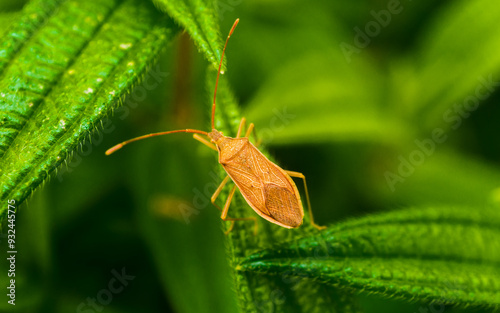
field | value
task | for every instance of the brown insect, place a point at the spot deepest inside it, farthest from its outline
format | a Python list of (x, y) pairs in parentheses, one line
[(267, 188)]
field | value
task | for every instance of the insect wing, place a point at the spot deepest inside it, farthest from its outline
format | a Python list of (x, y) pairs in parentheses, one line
[(266, 187)]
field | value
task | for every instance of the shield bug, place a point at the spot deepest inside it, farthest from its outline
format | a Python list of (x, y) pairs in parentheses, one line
[(268, 189)]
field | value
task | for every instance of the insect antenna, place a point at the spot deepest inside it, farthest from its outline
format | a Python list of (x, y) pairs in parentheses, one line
[(219, 71), (120, 145)]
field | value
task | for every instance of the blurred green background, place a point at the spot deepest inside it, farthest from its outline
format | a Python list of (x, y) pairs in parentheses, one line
[(352, 119)]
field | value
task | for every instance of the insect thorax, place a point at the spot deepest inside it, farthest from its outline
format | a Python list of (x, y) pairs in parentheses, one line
[(228, 147)]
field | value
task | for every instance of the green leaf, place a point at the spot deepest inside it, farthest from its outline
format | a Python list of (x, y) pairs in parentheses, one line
[(466, 59), (199, 19), (265, 293), (447, 255), (320, 97), (63, 67)]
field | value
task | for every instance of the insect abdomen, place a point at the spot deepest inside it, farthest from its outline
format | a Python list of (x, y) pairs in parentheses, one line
[(283, 205)]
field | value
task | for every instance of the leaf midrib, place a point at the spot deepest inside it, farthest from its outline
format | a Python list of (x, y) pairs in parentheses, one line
[(420, 257)]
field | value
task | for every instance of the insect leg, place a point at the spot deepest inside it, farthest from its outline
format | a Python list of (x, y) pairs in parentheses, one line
[(226, 208), (240, 128), (228, 202), (300, 175), (205, 142), (217, 192), (251, 129)]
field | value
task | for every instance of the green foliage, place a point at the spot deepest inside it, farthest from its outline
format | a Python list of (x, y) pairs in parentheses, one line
[(198, 18), (310, 95), (474, 183), (441, 50), (59, 80), (360, 124), (268, 293), (444, 255)]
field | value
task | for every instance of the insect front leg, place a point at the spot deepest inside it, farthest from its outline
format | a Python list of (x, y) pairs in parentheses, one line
[(205, 142), (300, 175)]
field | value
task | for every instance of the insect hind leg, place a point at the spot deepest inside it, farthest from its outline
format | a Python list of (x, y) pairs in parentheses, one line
[(300, 175)]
